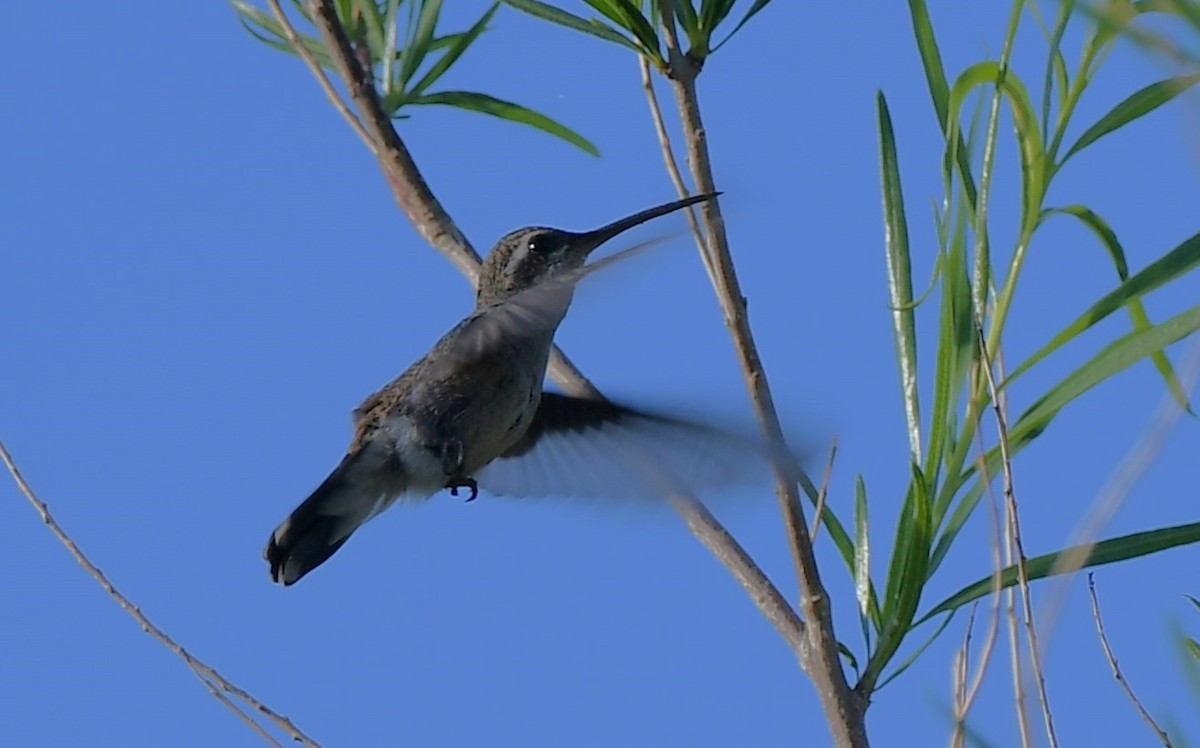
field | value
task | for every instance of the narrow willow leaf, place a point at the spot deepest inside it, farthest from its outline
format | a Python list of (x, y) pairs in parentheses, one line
[(862, 548), (454, 52), (712, 12), (754, 9), (899, 268), (638, 25), (906, 577), (563, 18), (418, 47), (1033, 156), (1137, 105), (1115, 357), (1137, 310), (1193, 601), (1183, 259), (1029, 139), (478, 102), (939, 92), (315, 48), (957, 350), (272, 34), (1104, 552), (689, 22), (849, 655)]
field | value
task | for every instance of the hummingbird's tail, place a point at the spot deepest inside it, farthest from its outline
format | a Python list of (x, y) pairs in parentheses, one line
[(323, 523)]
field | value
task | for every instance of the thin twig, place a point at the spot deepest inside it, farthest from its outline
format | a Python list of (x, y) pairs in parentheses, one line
[(993, 632), (200, 668), (245, 718), (672, 164), (819, 511), (1014, 527), (962, 660), (764, 594), (844, 708), (318, 72), (1160, 733)]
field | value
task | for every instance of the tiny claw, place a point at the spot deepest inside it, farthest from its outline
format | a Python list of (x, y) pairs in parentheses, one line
[(465, 483)]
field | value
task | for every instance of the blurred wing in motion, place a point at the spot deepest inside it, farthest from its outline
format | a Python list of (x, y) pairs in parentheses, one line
[(596, 449)]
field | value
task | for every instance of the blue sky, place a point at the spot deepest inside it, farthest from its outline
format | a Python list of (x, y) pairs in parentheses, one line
[(204, 273)]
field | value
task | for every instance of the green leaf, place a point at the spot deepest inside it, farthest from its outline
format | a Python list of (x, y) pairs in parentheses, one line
[(1104, 552), (907, 575), (478, 102), (1033, 182), (563, 18), (899, 268), (272, 32), (630, 17), (754, 9), (712, 12), (1183, 259), (862, 549), (1137, 105), (688, 21), (1137, 310), (939, 91), (422, 36), (1115, 357), (454, 51)]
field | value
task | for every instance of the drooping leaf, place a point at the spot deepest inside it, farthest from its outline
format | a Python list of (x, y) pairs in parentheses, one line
[(1135, 106), (455, 51), (753, 11), (479, 102), (1115, 357), (1183, 259), (417, 48), (1137, 310), (1108, 551), (576, 23)]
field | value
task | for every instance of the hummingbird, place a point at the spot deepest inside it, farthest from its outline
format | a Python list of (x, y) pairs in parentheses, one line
[(473, 407)]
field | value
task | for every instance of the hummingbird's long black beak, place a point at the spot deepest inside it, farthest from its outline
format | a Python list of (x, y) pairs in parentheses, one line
[(588, 241)]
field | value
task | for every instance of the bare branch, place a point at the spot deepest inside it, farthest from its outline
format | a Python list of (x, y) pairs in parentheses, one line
[(318, 72), (1159, 733), (203, 671), (844, 709), (727, 550)]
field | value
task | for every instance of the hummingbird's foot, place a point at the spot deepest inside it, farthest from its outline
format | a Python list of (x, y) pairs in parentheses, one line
[(470, 483)]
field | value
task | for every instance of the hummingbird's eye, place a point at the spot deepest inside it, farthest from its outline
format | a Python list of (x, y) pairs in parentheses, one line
[(541, 244)]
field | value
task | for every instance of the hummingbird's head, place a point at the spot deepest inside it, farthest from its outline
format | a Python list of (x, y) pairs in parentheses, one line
[(529, 256)]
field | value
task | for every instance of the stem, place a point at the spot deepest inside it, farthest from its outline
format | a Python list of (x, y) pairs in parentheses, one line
[(844, 709)]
